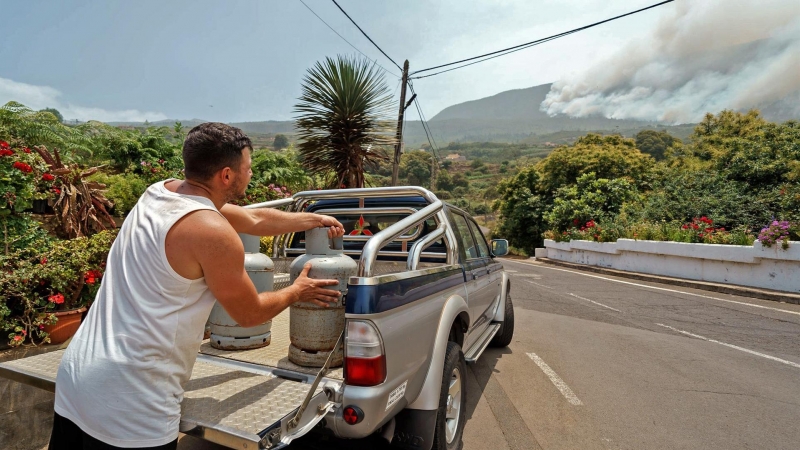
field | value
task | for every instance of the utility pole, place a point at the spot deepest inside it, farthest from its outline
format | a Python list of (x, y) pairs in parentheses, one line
[(396, 162)]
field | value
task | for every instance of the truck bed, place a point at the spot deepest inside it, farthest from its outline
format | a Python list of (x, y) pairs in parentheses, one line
[(274, 355)]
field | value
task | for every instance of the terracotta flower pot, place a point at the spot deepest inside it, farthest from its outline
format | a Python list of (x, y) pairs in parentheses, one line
[(66, 325)]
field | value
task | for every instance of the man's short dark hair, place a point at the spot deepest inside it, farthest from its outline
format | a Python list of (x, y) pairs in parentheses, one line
[(212, 146)]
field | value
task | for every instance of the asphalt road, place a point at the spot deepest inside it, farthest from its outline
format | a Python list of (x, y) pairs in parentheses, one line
[(600, 362)]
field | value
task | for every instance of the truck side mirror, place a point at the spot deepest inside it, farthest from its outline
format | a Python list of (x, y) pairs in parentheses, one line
[(499, 247)]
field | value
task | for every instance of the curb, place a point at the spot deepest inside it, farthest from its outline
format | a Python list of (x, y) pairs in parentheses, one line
[(764, 294)]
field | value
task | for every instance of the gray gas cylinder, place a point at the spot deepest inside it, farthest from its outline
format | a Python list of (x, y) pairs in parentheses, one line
[(314, 330), (226, 334)]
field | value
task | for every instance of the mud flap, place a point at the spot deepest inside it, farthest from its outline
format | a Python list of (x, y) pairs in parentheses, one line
[(414, 429)]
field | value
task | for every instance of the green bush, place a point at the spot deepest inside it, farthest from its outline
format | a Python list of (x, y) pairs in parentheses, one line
[(589, 199), (123, 189)]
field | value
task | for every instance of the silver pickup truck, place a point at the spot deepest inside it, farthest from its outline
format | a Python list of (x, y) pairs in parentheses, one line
[(428, 298)]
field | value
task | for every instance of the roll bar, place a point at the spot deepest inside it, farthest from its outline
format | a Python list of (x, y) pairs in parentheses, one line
[(369, 253)]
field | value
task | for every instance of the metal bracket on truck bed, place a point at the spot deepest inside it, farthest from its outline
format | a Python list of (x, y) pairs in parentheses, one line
[(239, 406)]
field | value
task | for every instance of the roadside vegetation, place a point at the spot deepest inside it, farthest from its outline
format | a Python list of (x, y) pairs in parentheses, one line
[(66, 188), (735, 180)]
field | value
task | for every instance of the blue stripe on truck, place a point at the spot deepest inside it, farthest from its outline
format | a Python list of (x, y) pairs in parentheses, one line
[(363, 299)]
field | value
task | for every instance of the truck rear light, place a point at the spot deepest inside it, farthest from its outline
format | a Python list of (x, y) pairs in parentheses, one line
[(364, 359), (352, 415)]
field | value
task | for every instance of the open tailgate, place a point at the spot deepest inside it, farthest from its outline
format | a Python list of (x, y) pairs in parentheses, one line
[(234, 404)]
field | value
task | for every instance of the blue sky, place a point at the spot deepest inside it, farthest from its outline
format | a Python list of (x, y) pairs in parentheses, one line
[(126, 60)]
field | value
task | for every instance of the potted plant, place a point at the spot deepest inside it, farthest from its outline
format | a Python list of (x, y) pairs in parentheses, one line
[(48, 286)]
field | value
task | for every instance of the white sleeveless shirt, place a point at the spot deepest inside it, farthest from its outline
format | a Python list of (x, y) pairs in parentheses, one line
[(121, 377)]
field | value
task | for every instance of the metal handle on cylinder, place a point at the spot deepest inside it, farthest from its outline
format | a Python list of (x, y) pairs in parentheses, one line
[(337, 243)]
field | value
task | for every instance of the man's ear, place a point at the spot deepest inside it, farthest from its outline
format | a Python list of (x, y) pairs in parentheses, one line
[(226, 176)]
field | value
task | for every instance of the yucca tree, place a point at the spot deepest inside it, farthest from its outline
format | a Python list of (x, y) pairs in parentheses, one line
[(344, 120)]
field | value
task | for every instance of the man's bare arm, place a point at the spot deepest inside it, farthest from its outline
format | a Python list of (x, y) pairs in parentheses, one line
[(221, 256), (273, 222)]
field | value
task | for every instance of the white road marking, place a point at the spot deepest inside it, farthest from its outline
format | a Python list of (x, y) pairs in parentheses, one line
[(752, 352), (557, 381), (537, 284), (511, 271), (596, 303), (797, 313)]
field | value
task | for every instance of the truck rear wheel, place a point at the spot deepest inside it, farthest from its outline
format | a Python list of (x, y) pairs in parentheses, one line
[(506, 333), (451, 416)]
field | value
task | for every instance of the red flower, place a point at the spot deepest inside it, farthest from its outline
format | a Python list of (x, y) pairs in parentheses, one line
[(48, 177), (6, 152), (26, 150), (57, 190), (590, 224), (575, 222), (43, 261), (685, 226), (92, 276), (22, 167), (4, 144), (57, 299), (17, 338)]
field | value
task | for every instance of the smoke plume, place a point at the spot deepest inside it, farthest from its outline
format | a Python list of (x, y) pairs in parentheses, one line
[(708, 55)]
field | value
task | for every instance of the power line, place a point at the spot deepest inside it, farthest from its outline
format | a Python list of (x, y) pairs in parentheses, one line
[(366, 35), (542, 41), (508, 50), (422, 115), (348, 42), (425, 127)]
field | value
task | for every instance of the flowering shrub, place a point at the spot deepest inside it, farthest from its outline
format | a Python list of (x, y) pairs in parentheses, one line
[(590, 231), (257, 193), (19, 171), (699, 230), (702, 230), (154, 170), (776, 233), (49, 276)]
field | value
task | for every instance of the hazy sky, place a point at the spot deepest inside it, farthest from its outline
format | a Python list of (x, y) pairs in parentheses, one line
[(131, 60)]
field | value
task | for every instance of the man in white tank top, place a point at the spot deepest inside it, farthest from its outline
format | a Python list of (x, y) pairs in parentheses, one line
[(120, 383)]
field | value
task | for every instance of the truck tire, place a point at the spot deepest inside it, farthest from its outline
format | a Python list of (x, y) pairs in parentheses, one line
[(506, 333), (451, 416)]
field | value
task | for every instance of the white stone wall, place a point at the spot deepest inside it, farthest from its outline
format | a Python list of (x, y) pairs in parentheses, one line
[(755, 266)]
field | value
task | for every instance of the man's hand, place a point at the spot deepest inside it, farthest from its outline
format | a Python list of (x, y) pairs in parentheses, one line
[(311, 289), (335, 229)]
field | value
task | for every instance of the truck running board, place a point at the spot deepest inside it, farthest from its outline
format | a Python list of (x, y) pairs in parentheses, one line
[(237, 405), (480, 345)]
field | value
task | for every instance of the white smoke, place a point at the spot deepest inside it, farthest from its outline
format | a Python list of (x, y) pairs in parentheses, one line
[(707, 56)]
